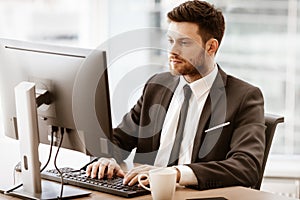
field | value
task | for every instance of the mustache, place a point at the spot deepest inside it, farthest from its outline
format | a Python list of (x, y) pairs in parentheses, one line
[(177, 57)]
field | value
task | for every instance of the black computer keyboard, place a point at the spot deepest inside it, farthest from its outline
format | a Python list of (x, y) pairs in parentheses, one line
[(79, 178)]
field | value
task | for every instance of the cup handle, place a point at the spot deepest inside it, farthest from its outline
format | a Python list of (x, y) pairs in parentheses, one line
[(140, 181)]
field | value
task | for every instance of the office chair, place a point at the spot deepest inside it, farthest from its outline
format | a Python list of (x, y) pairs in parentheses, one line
[(271, 122)]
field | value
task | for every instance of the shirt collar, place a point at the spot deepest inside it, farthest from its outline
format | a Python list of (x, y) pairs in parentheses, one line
[(202, 85)]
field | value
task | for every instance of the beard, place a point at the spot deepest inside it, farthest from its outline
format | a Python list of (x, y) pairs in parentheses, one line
[(193, 66)]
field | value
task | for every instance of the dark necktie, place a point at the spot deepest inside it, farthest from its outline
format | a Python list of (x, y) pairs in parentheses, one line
[(180, 127)]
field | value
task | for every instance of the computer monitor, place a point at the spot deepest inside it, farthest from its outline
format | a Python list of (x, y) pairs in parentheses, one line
[(77, 82)]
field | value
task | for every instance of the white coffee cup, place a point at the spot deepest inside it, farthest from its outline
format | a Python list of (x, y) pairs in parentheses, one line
[(162, 183)]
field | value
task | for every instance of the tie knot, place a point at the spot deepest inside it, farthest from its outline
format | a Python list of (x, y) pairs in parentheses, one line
[(187, 91)]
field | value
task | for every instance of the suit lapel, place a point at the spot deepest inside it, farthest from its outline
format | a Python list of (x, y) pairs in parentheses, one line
[(163, 88), (168, 88), (212, 114)]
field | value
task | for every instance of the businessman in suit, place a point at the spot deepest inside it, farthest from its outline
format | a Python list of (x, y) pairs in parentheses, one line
[(206, 124)]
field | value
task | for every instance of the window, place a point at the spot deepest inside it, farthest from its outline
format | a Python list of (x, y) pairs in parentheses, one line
[(261, 43)]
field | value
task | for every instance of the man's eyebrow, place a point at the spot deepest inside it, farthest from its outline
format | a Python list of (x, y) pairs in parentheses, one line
[(184, 38), (180, 38)]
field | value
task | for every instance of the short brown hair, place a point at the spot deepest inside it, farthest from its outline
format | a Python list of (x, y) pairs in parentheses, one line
[(209, 19)]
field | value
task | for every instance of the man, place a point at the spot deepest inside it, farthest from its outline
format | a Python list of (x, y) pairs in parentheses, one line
[(218, 138)]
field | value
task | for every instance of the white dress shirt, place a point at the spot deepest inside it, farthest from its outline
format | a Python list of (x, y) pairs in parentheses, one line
[(200, 90)]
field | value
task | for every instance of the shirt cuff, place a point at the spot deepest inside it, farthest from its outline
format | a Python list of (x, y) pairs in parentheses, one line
[(187, 176)]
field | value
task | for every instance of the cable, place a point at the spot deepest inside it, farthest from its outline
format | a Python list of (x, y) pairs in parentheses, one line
[(16, 169), (14, 188), (55, 158), (54, 129), (84, 167)]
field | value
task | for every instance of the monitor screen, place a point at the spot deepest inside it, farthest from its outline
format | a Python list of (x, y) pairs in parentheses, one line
[(77, 81)]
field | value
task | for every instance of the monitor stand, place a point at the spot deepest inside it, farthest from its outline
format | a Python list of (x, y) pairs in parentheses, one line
[(51, 190), (33, 187)]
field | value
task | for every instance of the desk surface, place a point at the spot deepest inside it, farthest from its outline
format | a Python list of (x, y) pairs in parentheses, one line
[(231, 193)]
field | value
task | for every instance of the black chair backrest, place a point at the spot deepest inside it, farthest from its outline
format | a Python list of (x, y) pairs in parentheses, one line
[(271, 122)]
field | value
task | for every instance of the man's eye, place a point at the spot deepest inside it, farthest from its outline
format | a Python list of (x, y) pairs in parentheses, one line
[(171, 41), (184, 43)]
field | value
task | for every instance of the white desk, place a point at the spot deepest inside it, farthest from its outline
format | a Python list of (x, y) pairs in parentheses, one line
[(9, 155), (231, 193)]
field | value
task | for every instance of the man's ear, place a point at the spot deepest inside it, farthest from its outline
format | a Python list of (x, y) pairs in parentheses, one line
[(211, 46)]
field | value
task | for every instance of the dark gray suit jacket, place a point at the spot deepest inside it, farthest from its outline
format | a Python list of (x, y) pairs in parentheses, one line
[(227, 156)]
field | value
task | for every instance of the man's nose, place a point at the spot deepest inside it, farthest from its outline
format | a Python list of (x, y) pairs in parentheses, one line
[(175, 49)]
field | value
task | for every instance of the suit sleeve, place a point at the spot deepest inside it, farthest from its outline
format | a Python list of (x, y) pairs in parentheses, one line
[(126, 135), (243, 163)]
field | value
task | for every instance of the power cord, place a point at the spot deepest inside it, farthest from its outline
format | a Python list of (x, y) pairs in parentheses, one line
[(55, 159), (85, 166), (16, 169), (14, 188), (54, 129)]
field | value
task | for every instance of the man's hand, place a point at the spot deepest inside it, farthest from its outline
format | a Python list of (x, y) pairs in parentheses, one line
[(132, 176), (104, 166)]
